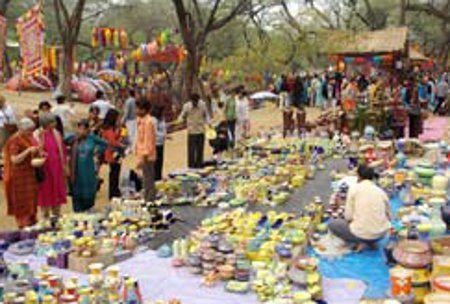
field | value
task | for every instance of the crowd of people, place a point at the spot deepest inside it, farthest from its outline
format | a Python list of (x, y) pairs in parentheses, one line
[(417, 91), (329, 89), (49, 155)]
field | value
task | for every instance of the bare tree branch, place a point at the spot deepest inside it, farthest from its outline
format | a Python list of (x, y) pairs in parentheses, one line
[(430, 9), (239, 8), (198, 12)]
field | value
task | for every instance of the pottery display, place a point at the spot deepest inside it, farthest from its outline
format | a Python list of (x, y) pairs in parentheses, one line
[(401, 282), (437, 298), (413, 254), (441, 283)]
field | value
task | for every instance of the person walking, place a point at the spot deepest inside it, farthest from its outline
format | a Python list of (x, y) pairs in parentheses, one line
[(161, 135), (129, 116), (442, 91), (195, 114), (243, 116), (7, 121), (145, 149), (52, 189), (111, 133), (102, 104), (230, 116), (64, 111), (85, 147), (21, 187)]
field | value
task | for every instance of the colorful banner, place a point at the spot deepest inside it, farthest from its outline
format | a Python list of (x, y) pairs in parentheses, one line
[(109, 37), (30, 28), (3, 27)]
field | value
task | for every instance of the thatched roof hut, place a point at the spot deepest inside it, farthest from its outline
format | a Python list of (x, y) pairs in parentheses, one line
[(391, 40), (417, 56)]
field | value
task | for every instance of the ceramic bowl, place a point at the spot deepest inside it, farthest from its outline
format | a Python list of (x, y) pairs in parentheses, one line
[(38, 162), (441, 245)]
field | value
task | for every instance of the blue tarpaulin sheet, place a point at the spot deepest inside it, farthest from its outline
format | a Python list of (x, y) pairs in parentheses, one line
[(368, 266)]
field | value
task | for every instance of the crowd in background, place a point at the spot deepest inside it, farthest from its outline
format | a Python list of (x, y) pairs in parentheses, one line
[(50, 154), (416, 93)]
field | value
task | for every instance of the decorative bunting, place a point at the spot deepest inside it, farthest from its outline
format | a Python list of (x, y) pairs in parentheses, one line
[(30, 28), (109, 37), (50, 58), (3, 27)]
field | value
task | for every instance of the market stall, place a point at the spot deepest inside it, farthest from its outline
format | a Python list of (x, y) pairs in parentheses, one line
[(244, 251)]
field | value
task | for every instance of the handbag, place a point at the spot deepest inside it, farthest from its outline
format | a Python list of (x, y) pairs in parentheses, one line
[(39, 173)]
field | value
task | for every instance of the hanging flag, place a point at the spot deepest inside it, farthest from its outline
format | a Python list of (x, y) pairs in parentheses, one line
[(30, 28), (3, 25)]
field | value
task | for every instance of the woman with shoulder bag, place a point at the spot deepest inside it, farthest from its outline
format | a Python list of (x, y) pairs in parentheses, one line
[(52, 187)]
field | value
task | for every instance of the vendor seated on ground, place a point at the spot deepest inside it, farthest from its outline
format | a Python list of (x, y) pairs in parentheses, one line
[(367, 213)]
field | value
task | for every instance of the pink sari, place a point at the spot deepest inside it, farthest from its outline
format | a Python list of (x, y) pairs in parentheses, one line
[(52, 191)]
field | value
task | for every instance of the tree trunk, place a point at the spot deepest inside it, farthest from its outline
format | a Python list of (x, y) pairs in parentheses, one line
[(9, 70), (402, 20), (66, 71), (193, 63)]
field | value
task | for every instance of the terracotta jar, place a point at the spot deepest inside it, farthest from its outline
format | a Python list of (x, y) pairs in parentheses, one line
[(413, 254)]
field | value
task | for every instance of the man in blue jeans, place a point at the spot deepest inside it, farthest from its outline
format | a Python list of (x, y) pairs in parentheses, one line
[(367, 213)]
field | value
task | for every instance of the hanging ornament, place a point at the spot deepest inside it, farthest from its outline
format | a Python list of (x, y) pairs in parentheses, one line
[(117, 39), (102, 37), (144, 51), (152, 48), (107, 36), (123, 39), (94, 38), (53, 58), (111, 61)]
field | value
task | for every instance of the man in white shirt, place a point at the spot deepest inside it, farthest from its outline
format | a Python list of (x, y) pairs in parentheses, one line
[(242, 116), (103, 105), (64, 111), (367, 213), (7, 121)]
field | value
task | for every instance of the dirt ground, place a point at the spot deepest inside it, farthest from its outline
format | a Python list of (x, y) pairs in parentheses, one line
[(175, 150)]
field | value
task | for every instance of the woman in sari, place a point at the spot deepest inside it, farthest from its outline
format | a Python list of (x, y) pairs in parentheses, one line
[(85, 147), (21, 186), (52, 190)]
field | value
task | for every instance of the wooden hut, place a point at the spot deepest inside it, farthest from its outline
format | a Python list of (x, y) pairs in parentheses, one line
[(383, 49)]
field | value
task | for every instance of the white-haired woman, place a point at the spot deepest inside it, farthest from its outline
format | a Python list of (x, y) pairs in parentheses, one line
[(20, 181)]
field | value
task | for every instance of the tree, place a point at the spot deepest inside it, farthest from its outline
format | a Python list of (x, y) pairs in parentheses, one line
[(441, 11), (69, 24), (4, 6), (198, 20)]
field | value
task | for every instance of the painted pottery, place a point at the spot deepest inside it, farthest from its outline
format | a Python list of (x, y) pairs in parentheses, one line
[(401, 281), (412, 254), (441, 245), (437, 298), (439, 183), (441, 283)]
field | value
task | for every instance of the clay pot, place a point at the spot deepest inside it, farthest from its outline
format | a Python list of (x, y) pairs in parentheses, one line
[(413, 254), (437, 298), (441, 283)]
